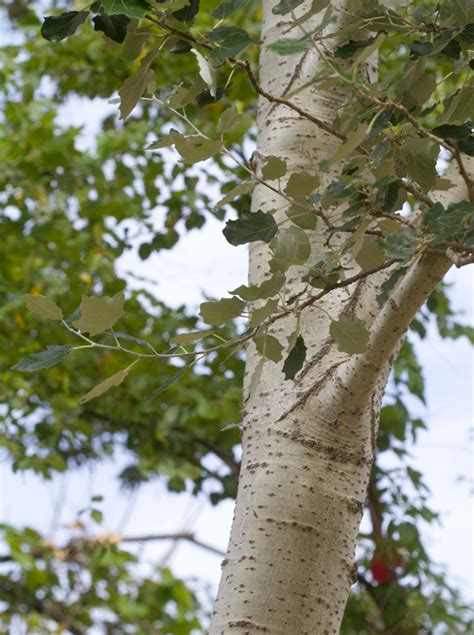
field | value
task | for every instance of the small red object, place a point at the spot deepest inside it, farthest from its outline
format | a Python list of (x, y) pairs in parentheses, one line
[(380, 570)]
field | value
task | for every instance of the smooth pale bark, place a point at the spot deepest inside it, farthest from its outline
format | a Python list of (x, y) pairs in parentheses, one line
[(308, 444)]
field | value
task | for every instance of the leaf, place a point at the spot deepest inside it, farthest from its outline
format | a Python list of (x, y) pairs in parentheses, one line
[(353, 46), (229, 41), (169, 382), (267, 289), (42, 306), (302, 216), (419, 49), (165, 142), (301, 184), (268, 346), (114, 26), (462, 11), (99, 314), (420, 161), (285, 6), (290, 247), (401, 245), (206, 72), (354, 139), (56, 28), (316, 7), (255, 379), (261, 314), (97, 516), (416, 86), (196, 148), (221, 311), (370, 253), (45, 359), (171, 6), (113, 380), (227, 8), (461, 107), (250, 227), (350, 334), (239, 190), (188, 13), (274, 168), (133, 89), (130, 8), (227, 119), (290, 46), (452, 132), (189, 338), (295, 360)]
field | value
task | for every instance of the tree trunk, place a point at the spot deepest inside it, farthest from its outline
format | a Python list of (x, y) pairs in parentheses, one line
[(308, 444)]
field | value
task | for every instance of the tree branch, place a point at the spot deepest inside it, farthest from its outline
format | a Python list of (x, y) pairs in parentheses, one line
[(189, 537)]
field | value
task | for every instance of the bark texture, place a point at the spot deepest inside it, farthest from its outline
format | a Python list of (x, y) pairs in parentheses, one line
[(308, 444)]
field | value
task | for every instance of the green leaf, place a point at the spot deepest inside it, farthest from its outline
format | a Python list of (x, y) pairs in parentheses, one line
[(419, 49), (42, 306), (462, 11), (354, 139), (229, 41), (114, 26), (261, 314), (452, 132), (401, 245), (353, 46), (350, 334), (250, 227), (195, 148), (165, 142), (169, 382), (133, 89), (290, 46), (302, 216), (285, 6), (420, 161), (97, 516), (290, 247), (268, 346), (45, 359), (206, 72), (267, 289), (461, 107), (239, 190), (188, 13), (416, 86), (170, 6), (113, 380), (56, 28), (221, 311), (99, 314), (130, 8), (370, 253), (273, 168), (227, 8), (188, 338), (467, 34), (255, 379), (228, 118), (301, 184), (295, 360)]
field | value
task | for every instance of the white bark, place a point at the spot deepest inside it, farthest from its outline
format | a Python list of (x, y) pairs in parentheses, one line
[(308, 444)]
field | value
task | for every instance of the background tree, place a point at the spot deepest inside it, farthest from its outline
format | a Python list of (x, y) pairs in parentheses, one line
[(70, 213)]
